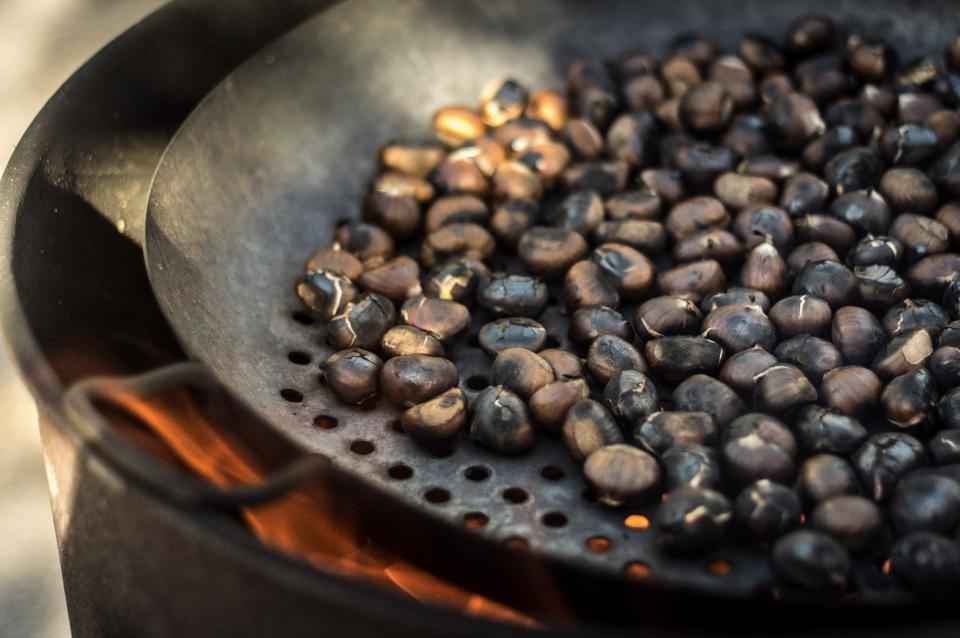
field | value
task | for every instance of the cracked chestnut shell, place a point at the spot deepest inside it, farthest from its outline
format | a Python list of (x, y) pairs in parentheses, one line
[(765, 510), (692, 520), (500, 421), (325, 292), (514, 332), (353, 375), (513, 296), (738, 327), (414, 378), (590, 322), (609, 354), (660, 431), (445, 320), (781, 388), (439, 419), (401, 340), (362, 323)]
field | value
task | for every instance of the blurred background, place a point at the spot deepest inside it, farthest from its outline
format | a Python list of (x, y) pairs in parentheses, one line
[(41, 43)]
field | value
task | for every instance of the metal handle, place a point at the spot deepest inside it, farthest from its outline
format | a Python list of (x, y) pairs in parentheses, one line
[(79, 405)]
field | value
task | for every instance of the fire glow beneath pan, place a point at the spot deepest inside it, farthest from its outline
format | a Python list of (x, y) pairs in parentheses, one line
[(262, 171)]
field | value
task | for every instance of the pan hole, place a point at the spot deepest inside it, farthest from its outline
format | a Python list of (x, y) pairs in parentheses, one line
[(552, 342), (437, 495), (477, 382), (554, 519), (361, 447), (552, 473), (885, 567), (515, 495), (599, 544), (517, 542), (291, 395), (397, 427), (299, 357), (325, 422), (720, 567), (475, 520), (476, 473), (400, 472), (636, 521), (303, 318), (637, 570)]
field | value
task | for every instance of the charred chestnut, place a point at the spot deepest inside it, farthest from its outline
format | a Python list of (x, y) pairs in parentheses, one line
[(853, 520), (549, 252), (446, 320), (549, 404), (758, 446), (353, 375), (609, 354), (513, 295), (692, 520), (884, 460), (521, 371), (811, 560), (325, 292), (665, 316), (829, 280), (738, 327), (397, 279), (362, 323), (740, 370), (701, 393), (588, 427), (621, 474), (801, 314), (678, 357), (401, 340), (824, 476), (586, 284), (813, 355), (850, 390), (765, 510), (909, 399), (661, 431), (439, 419), (514, 332), (500, 421), (590, 322), (781, 388), (630, 270), (819, 430)]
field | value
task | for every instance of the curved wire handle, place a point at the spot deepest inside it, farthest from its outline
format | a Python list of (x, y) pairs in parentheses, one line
[(79, 404)]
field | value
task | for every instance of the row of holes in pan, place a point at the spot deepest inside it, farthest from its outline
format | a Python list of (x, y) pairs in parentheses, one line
[(514, 495)]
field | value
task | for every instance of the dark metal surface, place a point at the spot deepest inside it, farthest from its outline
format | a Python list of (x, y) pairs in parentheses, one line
[(261, 172)]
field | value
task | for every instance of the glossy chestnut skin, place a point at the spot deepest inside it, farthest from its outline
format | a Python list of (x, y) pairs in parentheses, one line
[(438, 419), (850, 390), (801, 314), (514, 332), (824, 476), (353, 375), (811, 560), (325, 292), (692, 520), (678, 357), (445, 320), (362, 323), (812, 355), (884, 460), (609, 354), (549, 252), (738, 327), (667, 315), (589, 322), (500, 421), (587, 427), (521, 371), (622, 474), (397, 279), (549, 404), (414, 378), (506, 295), (758, 446), (741, 369), (854, 521), (701, 393)]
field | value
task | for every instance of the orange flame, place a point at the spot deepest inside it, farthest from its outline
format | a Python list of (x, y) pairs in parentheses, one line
[(302, 522)]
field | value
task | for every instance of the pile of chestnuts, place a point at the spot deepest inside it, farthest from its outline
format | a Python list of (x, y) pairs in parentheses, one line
[(758, 256)]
